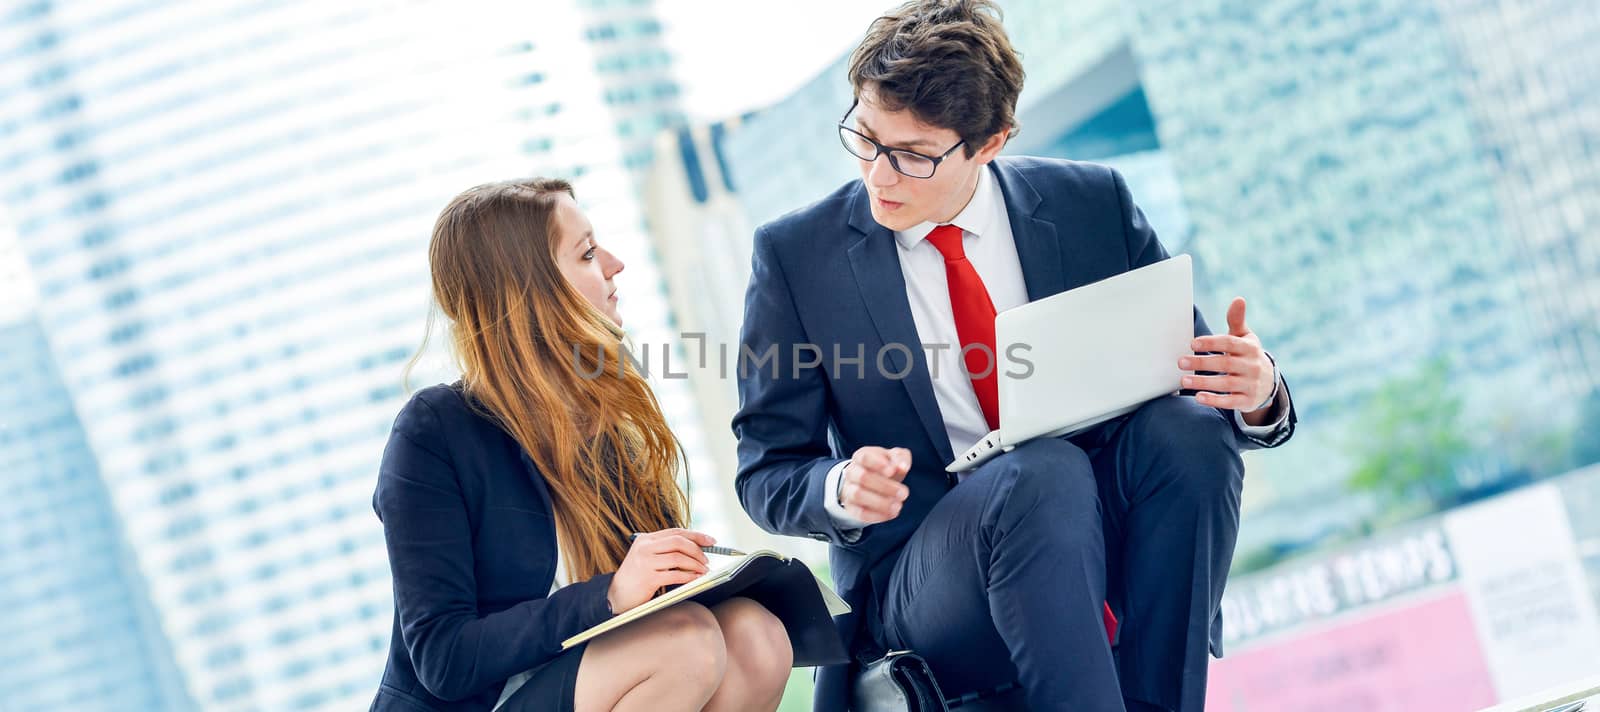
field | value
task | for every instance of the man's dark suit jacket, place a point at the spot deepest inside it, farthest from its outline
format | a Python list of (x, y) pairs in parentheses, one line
[(829, 275), (472, 548)]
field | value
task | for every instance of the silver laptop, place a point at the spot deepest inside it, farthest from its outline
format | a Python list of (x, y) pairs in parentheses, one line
[(1097, 352)]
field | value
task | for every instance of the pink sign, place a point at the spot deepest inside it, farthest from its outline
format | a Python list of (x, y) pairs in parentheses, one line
[(1421, 656)]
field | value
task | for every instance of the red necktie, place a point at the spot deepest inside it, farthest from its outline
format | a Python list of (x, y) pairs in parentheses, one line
[(974, 313)]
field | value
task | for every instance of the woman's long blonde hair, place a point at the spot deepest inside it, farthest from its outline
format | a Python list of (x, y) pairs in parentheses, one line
[(529, 347)]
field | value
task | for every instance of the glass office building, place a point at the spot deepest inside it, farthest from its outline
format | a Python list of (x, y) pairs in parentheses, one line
[(76, 614), (1528, 75), (225, 207), (1339, 145), (1399, 182), (635, 72)]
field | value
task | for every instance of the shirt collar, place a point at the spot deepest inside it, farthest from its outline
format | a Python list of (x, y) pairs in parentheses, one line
[(978, 218)]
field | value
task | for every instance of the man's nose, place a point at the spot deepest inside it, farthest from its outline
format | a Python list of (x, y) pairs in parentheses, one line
[(882, 173)]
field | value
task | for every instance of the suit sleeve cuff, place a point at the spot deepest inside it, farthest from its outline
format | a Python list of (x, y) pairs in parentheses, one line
[(1263, 432), (849, 527), (588, 601)]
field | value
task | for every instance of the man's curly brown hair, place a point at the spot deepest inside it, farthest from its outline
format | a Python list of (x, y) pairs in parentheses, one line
[(948, 61)]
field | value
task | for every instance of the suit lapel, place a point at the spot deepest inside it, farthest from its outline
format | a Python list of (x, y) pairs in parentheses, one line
[(876, 267), (1039, 231), (1037, 247)]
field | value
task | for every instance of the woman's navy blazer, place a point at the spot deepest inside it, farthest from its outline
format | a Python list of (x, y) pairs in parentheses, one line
[(472, 548)]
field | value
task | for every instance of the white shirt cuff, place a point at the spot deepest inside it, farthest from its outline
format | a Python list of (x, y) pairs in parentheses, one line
[(836, 512), (1265, 431)]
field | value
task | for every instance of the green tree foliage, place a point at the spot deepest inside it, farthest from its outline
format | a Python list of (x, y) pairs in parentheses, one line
[(1412, 438), (1586, 439)]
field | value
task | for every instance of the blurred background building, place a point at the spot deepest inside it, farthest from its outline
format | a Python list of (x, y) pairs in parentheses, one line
[(218, 272), (1345, 149), (635, 74), (72, 597), (1525, 74), (225, 208)]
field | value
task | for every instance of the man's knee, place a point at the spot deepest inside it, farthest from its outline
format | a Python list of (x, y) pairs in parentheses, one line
[(1045, 470), (1192, 443)]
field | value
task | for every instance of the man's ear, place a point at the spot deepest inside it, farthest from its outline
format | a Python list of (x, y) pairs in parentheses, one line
[(992, 147)]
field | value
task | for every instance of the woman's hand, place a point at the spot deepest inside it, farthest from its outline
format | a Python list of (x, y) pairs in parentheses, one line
[(655, 560)]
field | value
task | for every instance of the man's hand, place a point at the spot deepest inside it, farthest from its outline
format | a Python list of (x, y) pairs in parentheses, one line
[(871, 487), (1246, 375)]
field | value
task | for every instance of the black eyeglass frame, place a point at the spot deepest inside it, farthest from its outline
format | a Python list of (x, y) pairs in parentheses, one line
[(880, 149)]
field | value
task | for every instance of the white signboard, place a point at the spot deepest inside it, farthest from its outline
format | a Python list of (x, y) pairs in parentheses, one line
[(1516, 561)]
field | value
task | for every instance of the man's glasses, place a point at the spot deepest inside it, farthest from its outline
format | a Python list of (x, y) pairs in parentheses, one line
[(907, 163)]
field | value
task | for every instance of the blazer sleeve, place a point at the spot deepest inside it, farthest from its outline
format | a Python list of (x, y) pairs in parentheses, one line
[(456, 651), (1144, 249), (782, 422)]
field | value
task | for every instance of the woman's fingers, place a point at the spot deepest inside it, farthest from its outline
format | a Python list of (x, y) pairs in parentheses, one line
[(673, 577), (699, 538), (676, 560), (681, 544)]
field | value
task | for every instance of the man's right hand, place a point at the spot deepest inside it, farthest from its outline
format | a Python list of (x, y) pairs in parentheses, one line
[(871, 487)]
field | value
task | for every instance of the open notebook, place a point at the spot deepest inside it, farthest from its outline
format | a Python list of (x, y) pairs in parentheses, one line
[(786, 587)]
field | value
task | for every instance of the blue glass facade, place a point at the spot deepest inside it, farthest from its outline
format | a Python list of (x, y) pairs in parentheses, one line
[(1528, 74), (1337, 145), (1390, 183), (80, 630), (634, 69)]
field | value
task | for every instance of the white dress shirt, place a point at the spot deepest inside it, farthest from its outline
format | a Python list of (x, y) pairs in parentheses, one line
[(992, 249)]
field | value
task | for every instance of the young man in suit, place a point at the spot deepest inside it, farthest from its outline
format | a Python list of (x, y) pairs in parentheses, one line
[(1008, 576)]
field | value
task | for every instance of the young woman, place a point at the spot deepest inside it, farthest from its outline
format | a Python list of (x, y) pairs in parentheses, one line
[(508, 498)]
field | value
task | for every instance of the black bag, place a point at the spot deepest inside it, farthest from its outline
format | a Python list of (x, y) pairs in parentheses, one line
[(900, 681)]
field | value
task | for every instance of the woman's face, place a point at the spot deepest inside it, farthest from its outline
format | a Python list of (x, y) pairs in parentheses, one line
[(587, 266)]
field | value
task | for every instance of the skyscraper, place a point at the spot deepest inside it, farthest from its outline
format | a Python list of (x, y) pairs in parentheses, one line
[(635, 72), (1362, 174), (226, 207), (82, 632), (1338, 142), (1527, 72)]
